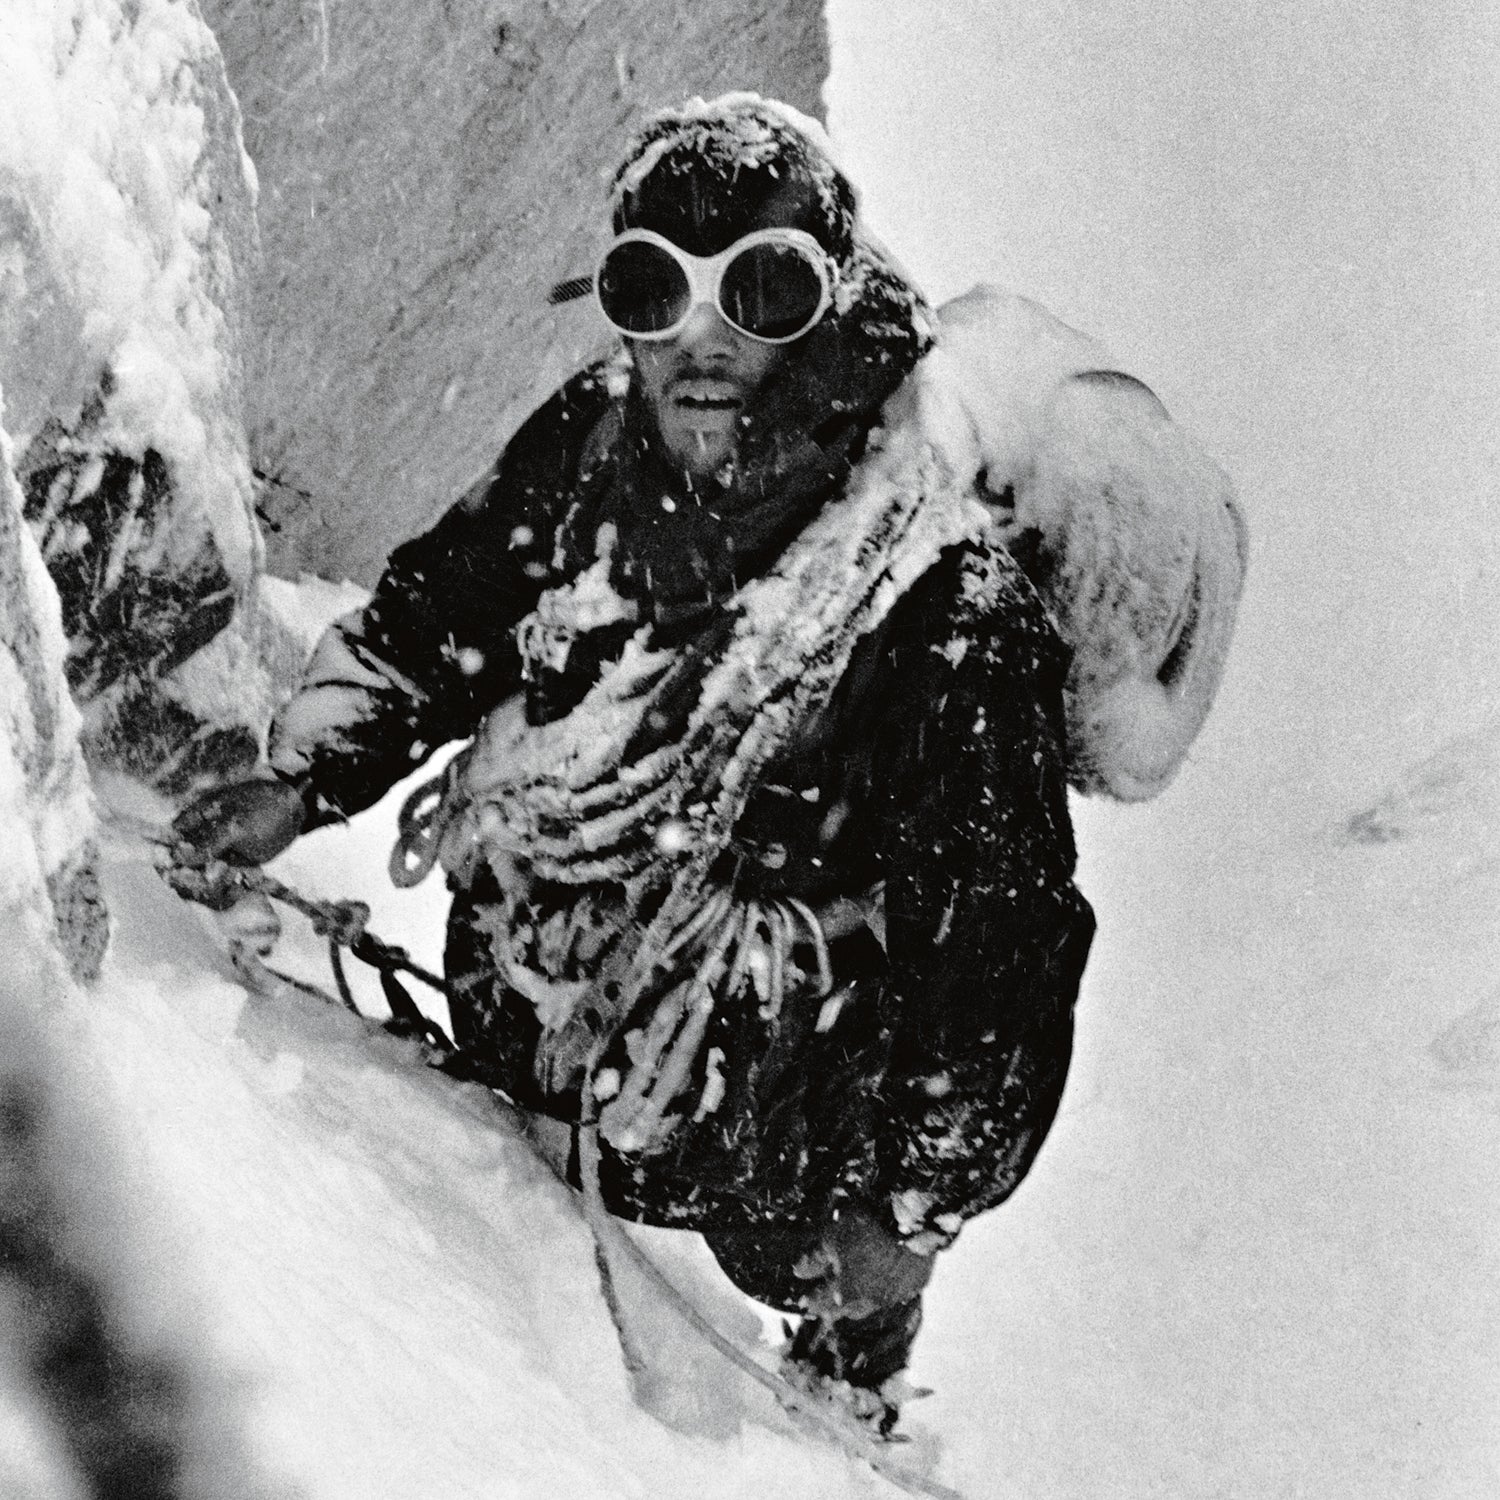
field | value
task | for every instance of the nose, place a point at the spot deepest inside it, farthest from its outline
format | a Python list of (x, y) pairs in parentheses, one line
[(705, 332)]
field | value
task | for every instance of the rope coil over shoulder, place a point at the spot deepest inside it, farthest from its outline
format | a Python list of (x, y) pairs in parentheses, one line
[(617, 812)]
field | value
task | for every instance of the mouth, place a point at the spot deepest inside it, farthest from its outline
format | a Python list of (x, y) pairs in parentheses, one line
[(706, 395)]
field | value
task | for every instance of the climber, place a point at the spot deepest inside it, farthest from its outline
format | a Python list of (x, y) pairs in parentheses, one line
[(760, 848)]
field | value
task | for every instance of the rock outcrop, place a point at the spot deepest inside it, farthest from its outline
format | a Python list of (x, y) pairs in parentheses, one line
[(127, 206), (427, 173), (49, 880), (424, 177)]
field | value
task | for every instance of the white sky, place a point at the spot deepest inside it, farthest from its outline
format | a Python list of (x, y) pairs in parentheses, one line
[(1283, 216)]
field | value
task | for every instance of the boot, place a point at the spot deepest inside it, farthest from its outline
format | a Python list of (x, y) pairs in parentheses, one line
[(860, 1353)]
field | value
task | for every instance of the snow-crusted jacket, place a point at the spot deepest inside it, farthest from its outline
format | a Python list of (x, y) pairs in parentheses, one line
[(915, 812)]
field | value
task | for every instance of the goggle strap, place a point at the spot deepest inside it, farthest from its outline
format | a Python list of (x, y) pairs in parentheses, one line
[(570, 290)]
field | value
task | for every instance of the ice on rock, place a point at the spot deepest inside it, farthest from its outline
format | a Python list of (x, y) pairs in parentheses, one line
[(50, 865), (128, 208)]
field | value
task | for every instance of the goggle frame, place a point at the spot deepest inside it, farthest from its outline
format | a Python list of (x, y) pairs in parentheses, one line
[(705, 278)]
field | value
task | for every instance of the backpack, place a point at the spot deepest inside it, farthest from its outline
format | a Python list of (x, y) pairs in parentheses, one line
[(1128, 529)]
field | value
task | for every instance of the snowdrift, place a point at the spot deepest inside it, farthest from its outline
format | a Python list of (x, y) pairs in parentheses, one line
[(109, 1379), (406, 1298)]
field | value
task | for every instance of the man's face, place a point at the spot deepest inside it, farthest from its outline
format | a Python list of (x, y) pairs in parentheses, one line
[(697, 384)]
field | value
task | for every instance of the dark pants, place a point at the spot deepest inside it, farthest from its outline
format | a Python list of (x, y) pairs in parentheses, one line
[(795, 1125)]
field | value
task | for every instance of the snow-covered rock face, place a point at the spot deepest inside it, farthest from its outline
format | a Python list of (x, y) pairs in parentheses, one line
[(48, 879), (128, 209), (126, 232), (427, 173)]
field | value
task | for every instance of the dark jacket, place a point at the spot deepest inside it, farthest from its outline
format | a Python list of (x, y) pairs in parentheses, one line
[(938, 769)]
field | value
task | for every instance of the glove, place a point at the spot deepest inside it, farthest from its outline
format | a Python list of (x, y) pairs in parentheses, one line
[(244, 823), (250, 926)]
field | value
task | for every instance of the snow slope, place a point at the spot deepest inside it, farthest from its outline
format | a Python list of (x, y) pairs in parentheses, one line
[(408, 1298), (1259, 1255), (1255, 1258)]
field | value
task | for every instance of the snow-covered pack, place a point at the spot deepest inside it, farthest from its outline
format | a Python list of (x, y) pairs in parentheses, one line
[(1128, 528)]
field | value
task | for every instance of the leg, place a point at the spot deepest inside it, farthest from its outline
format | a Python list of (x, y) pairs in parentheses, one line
[(866, 1352), (858, 1287), (864, 1311)]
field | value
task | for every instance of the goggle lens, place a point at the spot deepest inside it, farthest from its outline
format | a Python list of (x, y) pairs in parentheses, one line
[(771, 289), (642, 288)]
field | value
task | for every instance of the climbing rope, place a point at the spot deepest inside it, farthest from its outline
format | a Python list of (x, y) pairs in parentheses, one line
[(737, 942), (345, 926)]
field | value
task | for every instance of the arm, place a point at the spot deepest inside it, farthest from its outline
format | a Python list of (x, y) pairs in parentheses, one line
[(434, 650), (986, 934)]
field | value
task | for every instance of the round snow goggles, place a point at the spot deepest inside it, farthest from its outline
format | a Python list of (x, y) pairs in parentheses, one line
[(772, 285)]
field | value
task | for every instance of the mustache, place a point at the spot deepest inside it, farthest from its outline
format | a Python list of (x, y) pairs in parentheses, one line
[(689, 367)]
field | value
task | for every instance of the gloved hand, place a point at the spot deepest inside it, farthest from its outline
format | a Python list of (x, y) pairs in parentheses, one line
[(243, 823)]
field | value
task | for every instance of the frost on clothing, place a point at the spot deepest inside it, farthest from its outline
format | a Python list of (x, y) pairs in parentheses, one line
[(643, 781), (762, 846), (936, 766), (1131, 531)]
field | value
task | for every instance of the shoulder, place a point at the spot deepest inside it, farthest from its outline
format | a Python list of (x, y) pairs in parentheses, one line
[(544, 455), (501, 531), (977, 609), (517, 505)]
